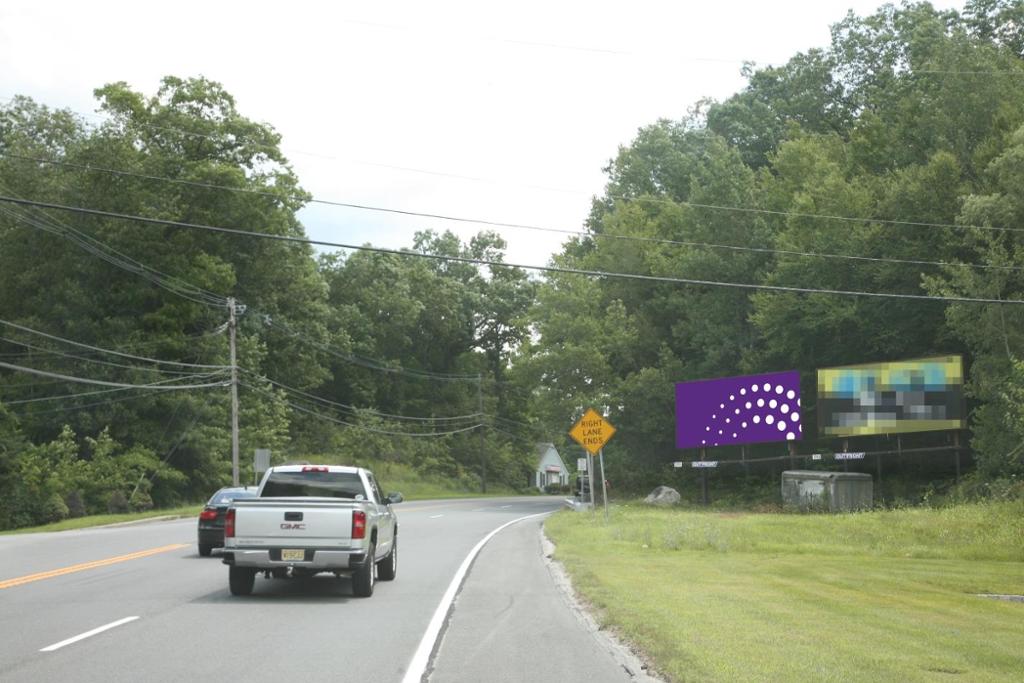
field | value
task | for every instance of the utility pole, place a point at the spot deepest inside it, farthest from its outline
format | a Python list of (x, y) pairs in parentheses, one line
[(234, 393), (480, 409)]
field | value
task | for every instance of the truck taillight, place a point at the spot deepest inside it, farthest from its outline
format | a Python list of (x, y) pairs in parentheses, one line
[(229, 524), (314, 469), (358, 524), (208, 514)]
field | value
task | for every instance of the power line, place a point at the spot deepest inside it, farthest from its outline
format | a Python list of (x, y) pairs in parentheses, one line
[(357, 410), (83, 380), (114, 353), (131, 345), (368, 362), (500, 264), (138, 396), (92, 360), (583, 233), (314, 413), (104, 391), (122, 261)]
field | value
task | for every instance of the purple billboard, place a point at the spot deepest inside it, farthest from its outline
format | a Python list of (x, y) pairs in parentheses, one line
[(730, 411)]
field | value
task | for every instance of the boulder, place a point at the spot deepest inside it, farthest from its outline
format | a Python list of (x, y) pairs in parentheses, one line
[(663, 495)]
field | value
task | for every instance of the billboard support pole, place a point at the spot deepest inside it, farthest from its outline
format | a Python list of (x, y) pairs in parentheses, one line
[(956, 449), (590, 475), (743, 459), (703, 479), (604, 484)]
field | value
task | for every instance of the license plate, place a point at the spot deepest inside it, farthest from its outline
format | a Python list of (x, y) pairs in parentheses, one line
[(288, 555)]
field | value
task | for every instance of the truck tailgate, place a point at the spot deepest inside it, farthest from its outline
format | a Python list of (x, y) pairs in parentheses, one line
[(293, 522)]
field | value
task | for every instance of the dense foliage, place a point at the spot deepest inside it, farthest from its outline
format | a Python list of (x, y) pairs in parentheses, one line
[(889, 162), (861, 167)]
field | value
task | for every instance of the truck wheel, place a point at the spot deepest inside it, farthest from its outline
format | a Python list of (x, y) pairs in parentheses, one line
[(363, 577), (388, 567), (241, 580), (205, 549)]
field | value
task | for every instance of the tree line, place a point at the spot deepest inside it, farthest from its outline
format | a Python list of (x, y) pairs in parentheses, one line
[(886, 162)]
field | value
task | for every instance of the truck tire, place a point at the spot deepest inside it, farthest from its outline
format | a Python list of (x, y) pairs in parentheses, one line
[(388, 567), (205, 549), (363, 576), (241, 580)]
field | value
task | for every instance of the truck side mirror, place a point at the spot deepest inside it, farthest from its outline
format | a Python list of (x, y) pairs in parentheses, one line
[(394, 498)]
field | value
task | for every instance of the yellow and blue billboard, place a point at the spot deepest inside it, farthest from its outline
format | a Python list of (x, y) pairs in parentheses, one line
[(919, 395)]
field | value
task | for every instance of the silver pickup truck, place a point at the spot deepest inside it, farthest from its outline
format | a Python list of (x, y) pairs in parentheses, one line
[(308, 519)]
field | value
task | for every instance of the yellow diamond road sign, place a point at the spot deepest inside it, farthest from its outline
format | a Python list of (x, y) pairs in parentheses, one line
[(592, 431)]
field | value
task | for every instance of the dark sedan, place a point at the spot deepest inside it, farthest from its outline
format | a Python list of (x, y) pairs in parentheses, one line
[(211, 519)]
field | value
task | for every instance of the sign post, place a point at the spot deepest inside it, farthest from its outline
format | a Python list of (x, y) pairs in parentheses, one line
[(593, 432)]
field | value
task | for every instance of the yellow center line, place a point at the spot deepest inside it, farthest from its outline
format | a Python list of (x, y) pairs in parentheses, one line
[(10, 583)]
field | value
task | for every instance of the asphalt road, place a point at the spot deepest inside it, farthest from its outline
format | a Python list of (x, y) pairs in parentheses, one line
[(170, 616)]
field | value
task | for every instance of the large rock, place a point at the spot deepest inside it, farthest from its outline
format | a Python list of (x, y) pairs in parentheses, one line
[(663, 495)]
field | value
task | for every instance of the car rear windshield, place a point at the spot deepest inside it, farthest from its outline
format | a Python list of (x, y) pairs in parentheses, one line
[(226, 497), (322, 484)]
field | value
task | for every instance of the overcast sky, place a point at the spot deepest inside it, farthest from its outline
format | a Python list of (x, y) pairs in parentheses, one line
[(467, 109)]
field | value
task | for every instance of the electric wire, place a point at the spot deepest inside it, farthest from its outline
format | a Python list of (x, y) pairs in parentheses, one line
[(584, 233), (64, 409), (110, 351), (304, 409), (362, 361), (502, 264), (84, 380), (132, 345), (105, 391), (118, 259), (368, 411), (54, 352)]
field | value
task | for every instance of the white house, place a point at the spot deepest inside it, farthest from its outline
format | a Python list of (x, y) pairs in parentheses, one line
[(550, 469)]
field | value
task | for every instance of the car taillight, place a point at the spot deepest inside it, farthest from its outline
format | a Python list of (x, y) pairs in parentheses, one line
[(208, 514), (358, 524), (229, 524)]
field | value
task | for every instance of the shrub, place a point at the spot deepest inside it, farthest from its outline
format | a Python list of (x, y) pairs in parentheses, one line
[(117, 503), (75, 503), (54, 509)]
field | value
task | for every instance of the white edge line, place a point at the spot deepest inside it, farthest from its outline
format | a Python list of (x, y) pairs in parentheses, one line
[(418, 665), (435, 516), (83, 636)]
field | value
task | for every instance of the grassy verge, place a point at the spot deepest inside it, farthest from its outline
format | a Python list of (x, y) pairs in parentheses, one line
[(392, 477), (100, 520), (877, 596)]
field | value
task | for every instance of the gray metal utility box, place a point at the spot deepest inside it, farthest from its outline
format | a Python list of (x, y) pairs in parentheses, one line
[(831, 491)]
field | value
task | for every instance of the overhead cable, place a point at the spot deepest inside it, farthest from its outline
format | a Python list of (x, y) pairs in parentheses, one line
[(584, 233), (374, 430), (501, 264), (112, 352), (367, 411), (85, 359), (84, 380), (104, 391)]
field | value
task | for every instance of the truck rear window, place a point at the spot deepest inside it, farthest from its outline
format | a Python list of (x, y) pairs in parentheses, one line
[(320, 484)]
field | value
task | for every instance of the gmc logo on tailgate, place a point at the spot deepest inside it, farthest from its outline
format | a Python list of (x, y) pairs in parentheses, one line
[(288, 526)]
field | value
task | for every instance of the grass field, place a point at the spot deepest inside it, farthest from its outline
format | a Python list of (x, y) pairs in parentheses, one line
[(875, 596)]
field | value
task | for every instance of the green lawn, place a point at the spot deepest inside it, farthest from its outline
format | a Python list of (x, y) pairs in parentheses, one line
[(100, 520), (877, 596)]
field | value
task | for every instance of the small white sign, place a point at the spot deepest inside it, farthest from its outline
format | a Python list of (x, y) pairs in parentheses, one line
[(261, 460), (849, 456), (704, 463), (815, 456), (678, 463), (581, 464)]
